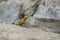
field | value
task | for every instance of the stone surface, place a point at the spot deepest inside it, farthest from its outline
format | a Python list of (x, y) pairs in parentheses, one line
[(28, 7), (49, 12), (43, 13), (8, 12), (17, 8), (48, 15), (13, 32), (31, 21), (53, 2)]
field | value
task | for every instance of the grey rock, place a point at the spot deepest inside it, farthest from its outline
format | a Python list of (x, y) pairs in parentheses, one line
[(53, 2), (8, 12), (45, 13), (12, 10), (49, 12), (32, 22), (27, 7), (48, 16)]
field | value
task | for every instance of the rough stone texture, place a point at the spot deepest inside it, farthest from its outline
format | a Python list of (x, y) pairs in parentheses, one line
[(18, 8), (48, 15), (31, 21), (49, 18), (45, 13), (8, 12), (49, 12), (27, 7), (13, 32), (53, 2)]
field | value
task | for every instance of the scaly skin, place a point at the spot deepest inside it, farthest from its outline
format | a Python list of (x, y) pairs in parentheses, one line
[(22, 21)]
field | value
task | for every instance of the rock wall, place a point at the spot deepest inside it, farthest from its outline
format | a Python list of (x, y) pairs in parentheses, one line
[(44, 14), (47, 16), (12, 10)]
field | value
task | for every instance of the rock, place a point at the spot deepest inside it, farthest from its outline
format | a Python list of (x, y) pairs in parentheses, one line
[(8, 12), (32, 22), (48, 16), (48, 12), (30, 7), (43, 13), (27, 7), (53, 2), (13, 32), (18, 8)]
